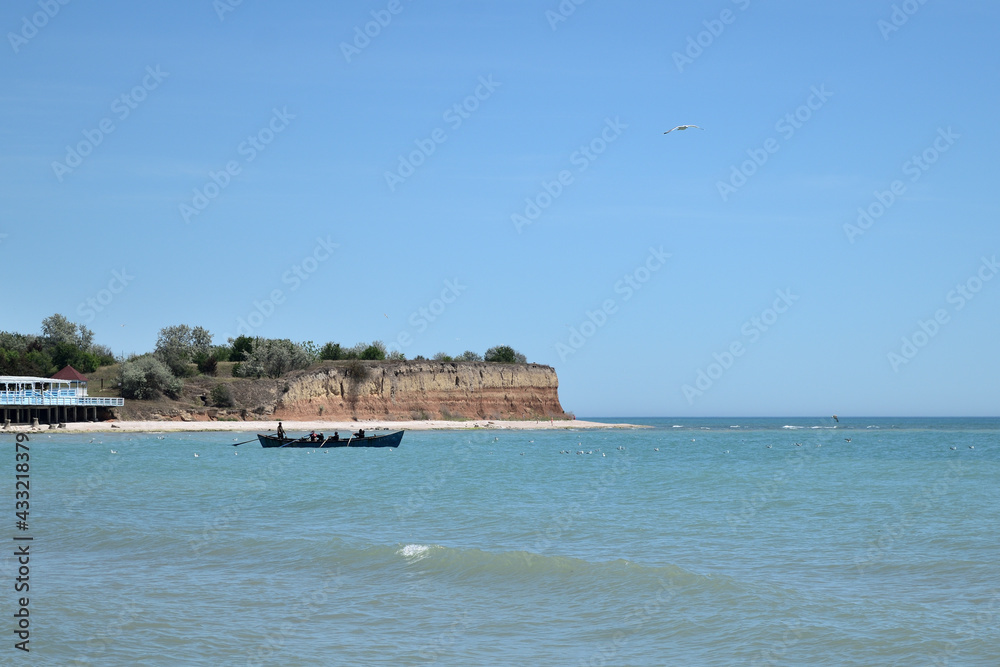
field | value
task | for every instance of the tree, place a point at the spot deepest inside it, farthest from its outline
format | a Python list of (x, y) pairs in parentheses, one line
[(469, 355), (176, 346), (441, 356), (146, 377), (241, 346), (374, 352), (504, 354), (331, 352), (273, 358), (57, 329)]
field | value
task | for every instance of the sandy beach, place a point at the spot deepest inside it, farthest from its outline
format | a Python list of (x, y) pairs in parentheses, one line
[(323, 426)]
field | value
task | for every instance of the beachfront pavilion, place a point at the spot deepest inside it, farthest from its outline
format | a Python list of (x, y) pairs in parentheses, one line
[(60, 398)]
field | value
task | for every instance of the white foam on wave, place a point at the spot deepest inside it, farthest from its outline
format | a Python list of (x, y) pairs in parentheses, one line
[(414, 551), (791, 427), (678, 426)]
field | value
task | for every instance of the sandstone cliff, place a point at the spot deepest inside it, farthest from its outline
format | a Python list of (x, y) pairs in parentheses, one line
[(420, 390)]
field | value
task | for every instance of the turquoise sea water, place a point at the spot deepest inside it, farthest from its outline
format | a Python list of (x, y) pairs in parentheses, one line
[(729, 545)]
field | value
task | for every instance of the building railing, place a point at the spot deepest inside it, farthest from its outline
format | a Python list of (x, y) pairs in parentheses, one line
[(54, 398)]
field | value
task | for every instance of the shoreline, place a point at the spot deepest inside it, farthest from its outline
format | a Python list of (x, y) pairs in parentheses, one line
[(324, 426)]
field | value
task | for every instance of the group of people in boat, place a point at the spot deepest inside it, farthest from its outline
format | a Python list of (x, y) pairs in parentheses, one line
[(318, 437)]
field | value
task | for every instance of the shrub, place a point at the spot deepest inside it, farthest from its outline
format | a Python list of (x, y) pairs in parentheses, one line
[(207, 363), (469, 355), (504, 354), (331, 352), (356, 370), (273, 358), (239, 348), (222, 396), (441, 356), (374, 352), (146, 377)]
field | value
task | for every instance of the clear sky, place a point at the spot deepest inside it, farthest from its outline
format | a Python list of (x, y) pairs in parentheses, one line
[(470, 174)]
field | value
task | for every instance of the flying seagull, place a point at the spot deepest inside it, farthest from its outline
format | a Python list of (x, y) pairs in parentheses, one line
[(682, 127)]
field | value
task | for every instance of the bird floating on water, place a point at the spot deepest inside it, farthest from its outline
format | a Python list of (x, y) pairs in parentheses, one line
[(114, 451), (682, 127), (196, 456)]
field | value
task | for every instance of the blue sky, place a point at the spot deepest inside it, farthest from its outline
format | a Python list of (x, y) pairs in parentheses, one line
[(471, 174)]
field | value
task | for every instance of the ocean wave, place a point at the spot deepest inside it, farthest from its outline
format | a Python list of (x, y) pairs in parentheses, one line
[(792, 427)]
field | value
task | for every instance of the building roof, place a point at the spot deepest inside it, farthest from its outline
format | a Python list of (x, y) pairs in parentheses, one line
[(69, 373), (14, 379)]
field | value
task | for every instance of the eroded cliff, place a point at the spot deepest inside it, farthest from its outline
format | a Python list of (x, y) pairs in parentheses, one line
[(420, 390)]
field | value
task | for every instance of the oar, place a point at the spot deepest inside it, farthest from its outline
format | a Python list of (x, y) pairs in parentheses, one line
[(243, 443), (292, 442)]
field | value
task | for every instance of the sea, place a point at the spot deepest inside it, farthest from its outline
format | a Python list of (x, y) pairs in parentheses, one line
[(689, 541)]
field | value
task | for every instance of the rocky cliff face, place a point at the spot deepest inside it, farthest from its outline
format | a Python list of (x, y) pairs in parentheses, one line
[(421, 390)]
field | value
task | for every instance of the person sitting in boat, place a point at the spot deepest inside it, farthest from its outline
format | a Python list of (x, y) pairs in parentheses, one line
[(336, 436), (281, 431), (319, 437), (312, 436), (360, 433)]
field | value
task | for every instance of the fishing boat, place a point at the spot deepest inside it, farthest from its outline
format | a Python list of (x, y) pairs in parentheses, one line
[(368, 440)]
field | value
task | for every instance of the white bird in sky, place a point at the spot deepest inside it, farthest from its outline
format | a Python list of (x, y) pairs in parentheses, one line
[(682, 127)]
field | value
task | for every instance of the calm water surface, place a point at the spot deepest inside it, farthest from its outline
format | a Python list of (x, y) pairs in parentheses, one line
[(692, 542)]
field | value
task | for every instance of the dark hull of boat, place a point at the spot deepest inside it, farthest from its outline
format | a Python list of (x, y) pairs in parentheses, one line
[(386, 440)]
